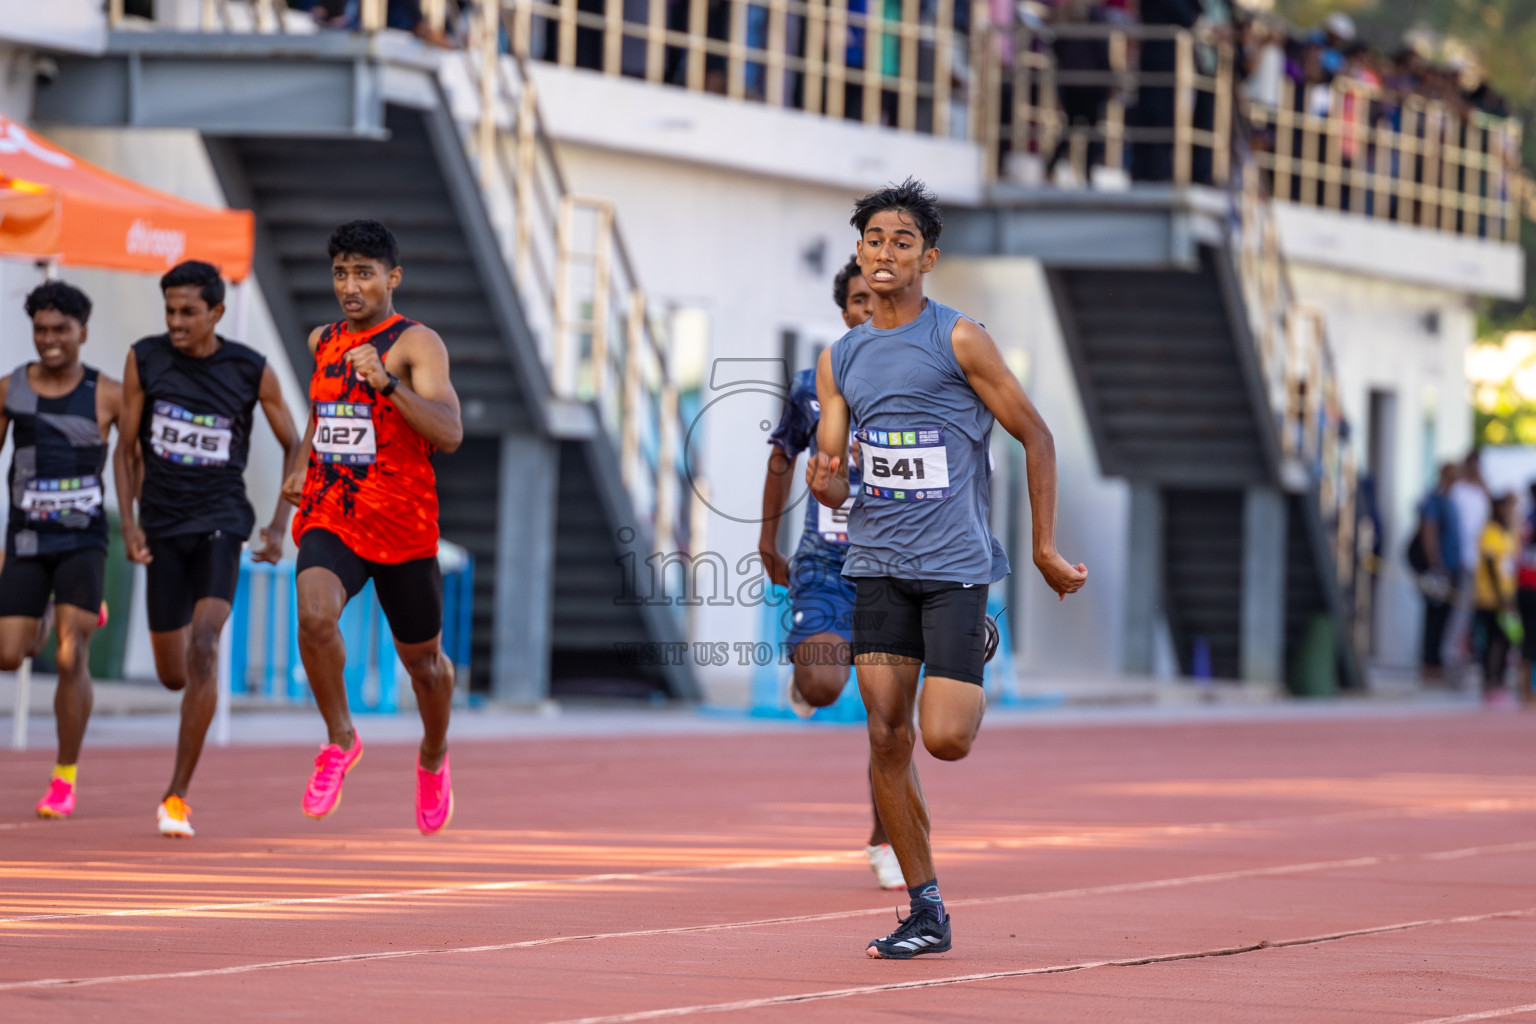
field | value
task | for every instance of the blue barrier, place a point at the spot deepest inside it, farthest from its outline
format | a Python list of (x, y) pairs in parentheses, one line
[(264, 649)]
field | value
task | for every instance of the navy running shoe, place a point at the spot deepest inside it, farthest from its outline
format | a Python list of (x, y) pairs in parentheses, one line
[(915, 935), (993, 638)]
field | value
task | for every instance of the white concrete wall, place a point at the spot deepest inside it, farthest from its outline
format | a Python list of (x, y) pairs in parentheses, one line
[(1081, 636), (1382, 340), (77, 25), (128, 307)]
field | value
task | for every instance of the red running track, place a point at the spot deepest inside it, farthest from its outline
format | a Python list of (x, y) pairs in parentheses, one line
[(1339, 870)]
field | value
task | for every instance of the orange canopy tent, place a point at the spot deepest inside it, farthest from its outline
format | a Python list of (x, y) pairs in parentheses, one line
[(54, 205)]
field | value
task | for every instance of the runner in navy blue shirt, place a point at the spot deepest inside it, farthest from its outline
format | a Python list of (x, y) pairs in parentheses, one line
[(820, 597)]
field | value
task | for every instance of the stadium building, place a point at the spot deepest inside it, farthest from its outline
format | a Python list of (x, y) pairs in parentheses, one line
[(1244, 321)]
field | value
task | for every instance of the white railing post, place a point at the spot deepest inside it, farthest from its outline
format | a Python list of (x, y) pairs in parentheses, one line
[(629, 446)]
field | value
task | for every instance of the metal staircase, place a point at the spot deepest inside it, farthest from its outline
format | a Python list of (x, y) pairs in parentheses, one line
[(571, 432)]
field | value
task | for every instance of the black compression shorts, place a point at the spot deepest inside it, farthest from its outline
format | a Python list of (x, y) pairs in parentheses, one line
[(184, 569), (411, 593), (935, 621), (74, 577)]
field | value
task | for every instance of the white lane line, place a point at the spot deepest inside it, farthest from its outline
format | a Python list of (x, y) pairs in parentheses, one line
[(1098, 890), (965, 979), (1508, 1011)]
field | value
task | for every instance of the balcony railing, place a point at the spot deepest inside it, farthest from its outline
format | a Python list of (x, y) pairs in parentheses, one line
[(1158, 104), (899, 63), (1411, 162), (1345, 148)]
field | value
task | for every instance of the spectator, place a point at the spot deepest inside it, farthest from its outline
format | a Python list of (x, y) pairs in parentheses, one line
[(1525, 598), (1264, 57), (1495, 595), (1153, 161), (1082, 106), (1470, 496), (1435, 555)]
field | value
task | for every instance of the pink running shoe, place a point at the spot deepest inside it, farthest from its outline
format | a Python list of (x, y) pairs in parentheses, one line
[(60, 801), (331, 766), (434, 798)]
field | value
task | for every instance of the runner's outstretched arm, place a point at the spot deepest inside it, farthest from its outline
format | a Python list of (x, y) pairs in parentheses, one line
[(281, 422), (775, 493), (1000, 390), (827, 472), (425, 396), (127, 459), (293, 486)]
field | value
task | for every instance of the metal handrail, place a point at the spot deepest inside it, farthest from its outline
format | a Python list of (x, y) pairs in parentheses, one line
[(597, 336), (1296, 358)]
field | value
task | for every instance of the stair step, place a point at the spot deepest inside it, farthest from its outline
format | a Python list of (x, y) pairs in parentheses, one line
[(1194, 380)]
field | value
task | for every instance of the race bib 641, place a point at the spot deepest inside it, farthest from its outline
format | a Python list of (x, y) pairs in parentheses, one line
[(904, 465)]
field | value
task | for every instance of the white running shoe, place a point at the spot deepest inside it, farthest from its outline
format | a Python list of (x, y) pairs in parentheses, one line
[(171, 817), (797, 703), (882, 861)]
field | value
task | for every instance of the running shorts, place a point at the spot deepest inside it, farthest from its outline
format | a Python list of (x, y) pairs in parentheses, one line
[(820, 598), (937, 622), (411, 593), (185, 568), (73, 577)]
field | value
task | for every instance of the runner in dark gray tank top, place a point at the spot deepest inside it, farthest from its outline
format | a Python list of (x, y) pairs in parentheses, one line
[(56, 538), (925, 385)]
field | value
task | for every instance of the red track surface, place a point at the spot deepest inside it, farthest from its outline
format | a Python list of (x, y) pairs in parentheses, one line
[(1355, 870)]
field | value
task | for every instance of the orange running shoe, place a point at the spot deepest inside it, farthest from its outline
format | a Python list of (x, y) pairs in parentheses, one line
[(434, 798), (59, 803), (331, 766), (172, 815)]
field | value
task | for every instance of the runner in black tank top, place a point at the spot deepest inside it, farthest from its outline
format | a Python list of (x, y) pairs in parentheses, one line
[(56, 536), (188, 399)]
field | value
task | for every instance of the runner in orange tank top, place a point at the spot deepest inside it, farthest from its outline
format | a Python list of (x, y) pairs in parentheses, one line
[(381, 403), (383, 503)]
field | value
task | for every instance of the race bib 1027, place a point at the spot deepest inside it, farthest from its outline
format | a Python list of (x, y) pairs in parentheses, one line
[(344, 433), (51, 500), (904, 465), (190, 439)]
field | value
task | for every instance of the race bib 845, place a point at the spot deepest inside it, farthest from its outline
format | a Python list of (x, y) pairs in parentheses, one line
[(904, 465), (190, 439)]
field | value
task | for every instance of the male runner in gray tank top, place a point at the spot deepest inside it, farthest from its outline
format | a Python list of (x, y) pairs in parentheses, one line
[(924, 384)]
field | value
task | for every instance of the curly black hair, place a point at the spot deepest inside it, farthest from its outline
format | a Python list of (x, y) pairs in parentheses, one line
[(910, 197), (366, 238), (850, 271), (202, 276), (61, 298)]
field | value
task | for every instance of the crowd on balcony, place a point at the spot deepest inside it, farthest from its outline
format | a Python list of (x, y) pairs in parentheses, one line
[(1271, 52), (1290, 81)]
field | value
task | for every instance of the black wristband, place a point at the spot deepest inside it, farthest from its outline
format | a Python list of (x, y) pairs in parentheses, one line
[(389, 388)]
